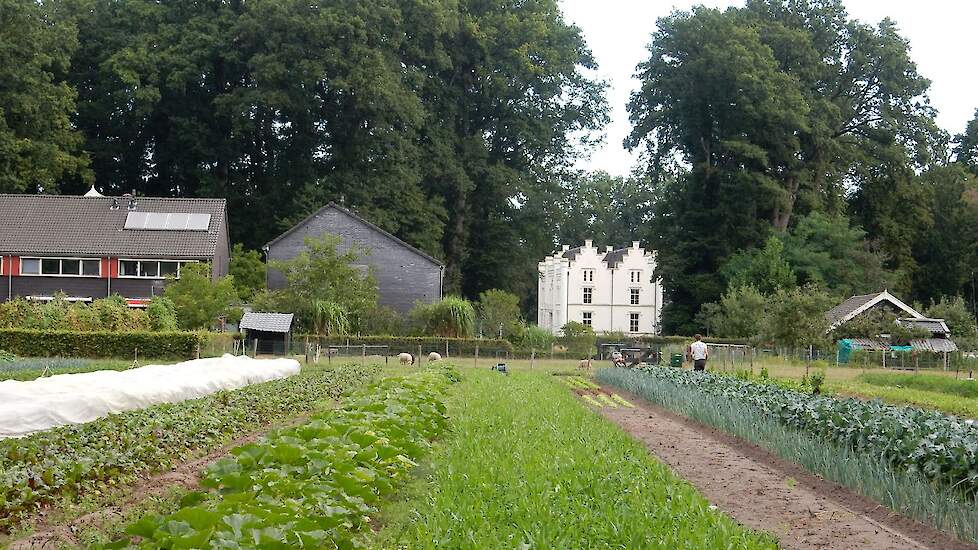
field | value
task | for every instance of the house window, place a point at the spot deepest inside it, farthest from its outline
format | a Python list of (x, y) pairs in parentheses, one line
[(633, 322), (586, 318), (61, 267), (588, 275), (588, 295), (149, 269), (635, 276), (633, 296)]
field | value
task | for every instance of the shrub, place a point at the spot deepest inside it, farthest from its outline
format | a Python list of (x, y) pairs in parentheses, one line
[(578, 338), (48, 343), (452, 317), (162, 314)]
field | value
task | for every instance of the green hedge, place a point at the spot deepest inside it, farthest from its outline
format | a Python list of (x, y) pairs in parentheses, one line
[(409, 344), (50, 343), (663, 340)]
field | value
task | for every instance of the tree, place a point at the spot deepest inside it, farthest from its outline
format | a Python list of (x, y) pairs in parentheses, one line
[(320, 274), (966, 146), (744, 311), (499, 313), (39, 146), (248, 271), (198, 300), (764, 269), (956, 313), (826, 250), (578, 338), (777, 110), (608, 209), (796, 318)]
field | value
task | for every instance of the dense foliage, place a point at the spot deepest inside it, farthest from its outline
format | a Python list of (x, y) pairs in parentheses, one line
[(527, 466), (64, 343), (75, 462), (939, 447), (312, 485), (199, 299), (786, 115), (106, 314), (451, 317), (451, 124)]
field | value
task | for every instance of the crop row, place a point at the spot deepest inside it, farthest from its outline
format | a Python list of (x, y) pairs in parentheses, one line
[(70, 462), (312, 485), (527, 466), (941, 448)]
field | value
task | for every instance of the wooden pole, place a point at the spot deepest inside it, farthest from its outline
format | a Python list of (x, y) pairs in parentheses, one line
[(419, 355), (533, 355), (254, 352), (476, 355), (363, 355), (446, 348)]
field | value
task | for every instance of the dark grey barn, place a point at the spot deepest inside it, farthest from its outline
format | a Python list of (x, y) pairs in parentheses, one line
[(405, 275)]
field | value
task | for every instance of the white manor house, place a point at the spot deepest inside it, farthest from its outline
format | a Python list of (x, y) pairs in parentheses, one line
[(609, 290)]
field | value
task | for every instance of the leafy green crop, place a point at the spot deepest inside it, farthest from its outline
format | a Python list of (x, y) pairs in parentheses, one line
[(526, 465), (313, 485), (942, 448), (926, 382), (74, 461)]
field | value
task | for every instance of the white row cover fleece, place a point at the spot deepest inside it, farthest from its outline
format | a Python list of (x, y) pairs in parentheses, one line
[(41, 404)]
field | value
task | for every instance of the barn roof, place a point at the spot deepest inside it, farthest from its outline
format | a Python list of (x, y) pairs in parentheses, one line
[(858, 304), (57, 225), (934, 326), (333, 205), (267, 322)]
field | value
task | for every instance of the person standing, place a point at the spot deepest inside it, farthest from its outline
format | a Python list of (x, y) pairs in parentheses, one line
[(700, 353)]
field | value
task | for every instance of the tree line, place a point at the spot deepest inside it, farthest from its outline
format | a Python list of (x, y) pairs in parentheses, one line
[(783, 143)]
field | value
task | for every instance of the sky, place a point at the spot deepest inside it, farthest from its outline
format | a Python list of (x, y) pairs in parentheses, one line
[(939, 31)]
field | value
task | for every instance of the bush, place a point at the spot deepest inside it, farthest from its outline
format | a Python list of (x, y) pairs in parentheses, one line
[(48, 343), (452, 317), (106, 314), (578, 338)]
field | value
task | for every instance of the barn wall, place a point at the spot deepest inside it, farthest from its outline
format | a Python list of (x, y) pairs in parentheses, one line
[(403, 276)]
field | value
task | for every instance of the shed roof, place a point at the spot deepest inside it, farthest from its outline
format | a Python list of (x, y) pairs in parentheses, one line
[(934, 344), (267, 322), (935, 326), (57, 225), (333, 205), (858, 304)]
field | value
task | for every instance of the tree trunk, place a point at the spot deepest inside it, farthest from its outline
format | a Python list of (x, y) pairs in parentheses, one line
[(783, 211)]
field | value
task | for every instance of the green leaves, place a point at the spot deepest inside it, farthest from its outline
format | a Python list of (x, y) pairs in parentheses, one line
[(313, 484), (77, 462)]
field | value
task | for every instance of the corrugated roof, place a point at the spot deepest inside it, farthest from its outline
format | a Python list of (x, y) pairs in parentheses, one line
[(935, 326), (56, 225), (934, 344), (857, 304), (844, 309), (267, 322)]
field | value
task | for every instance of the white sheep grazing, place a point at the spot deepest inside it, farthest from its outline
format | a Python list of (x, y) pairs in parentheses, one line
[(434, 356), (406, 358), (584, 364)]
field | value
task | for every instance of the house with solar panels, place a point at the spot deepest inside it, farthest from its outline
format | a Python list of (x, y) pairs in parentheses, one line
[(94, 246)]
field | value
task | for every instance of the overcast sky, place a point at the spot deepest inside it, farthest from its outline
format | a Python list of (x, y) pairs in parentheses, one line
[(941, 33)]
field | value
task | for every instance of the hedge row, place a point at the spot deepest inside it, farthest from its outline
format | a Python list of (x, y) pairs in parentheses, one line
[(398, 344), (51, 343)]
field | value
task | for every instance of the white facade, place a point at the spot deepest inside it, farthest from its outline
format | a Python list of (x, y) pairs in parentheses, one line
[(610, 290)]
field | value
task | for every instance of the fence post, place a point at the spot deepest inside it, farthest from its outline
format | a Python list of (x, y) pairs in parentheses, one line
[(419, 355), (533, 356), (477, 355), (446, 348), (363, 355), (254, 352)]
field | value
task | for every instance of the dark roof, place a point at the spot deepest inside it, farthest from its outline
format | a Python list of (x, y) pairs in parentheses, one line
[(935, 326), (55, 225), (571, 253), (353, 215), (933, 344), (267, 322), (857, 304), (846, 308), (615, 257)]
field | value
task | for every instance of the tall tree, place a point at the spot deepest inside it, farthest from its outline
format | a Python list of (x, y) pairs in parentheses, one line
[(611, 210), (38, 145), (966, 145)]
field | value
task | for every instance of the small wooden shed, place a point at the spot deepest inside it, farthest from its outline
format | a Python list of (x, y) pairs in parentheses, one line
[(267, 332)]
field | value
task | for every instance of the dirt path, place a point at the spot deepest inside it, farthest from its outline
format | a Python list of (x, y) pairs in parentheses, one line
[(50, 534), (766, 493)]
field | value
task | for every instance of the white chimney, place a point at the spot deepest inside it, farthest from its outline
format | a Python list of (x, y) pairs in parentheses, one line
[(636, 244), (564, 247), (608, 248), (588, 243)]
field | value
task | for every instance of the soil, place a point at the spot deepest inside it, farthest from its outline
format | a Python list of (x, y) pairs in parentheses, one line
[(50, 534), (766, 493)]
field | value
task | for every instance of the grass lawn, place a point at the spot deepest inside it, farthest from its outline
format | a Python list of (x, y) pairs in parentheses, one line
[(527, 466)]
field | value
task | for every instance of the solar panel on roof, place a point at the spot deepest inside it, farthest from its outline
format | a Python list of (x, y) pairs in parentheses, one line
[(168, 221)]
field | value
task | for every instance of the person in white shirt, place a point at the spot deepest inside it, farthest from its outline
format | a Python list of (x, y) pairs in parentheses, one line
[(700, 353)]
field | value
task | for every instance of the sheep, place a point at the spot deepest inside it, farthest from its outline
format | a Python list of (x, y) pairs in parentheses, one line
[(584, 364), (434, 356), (406, 358)]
